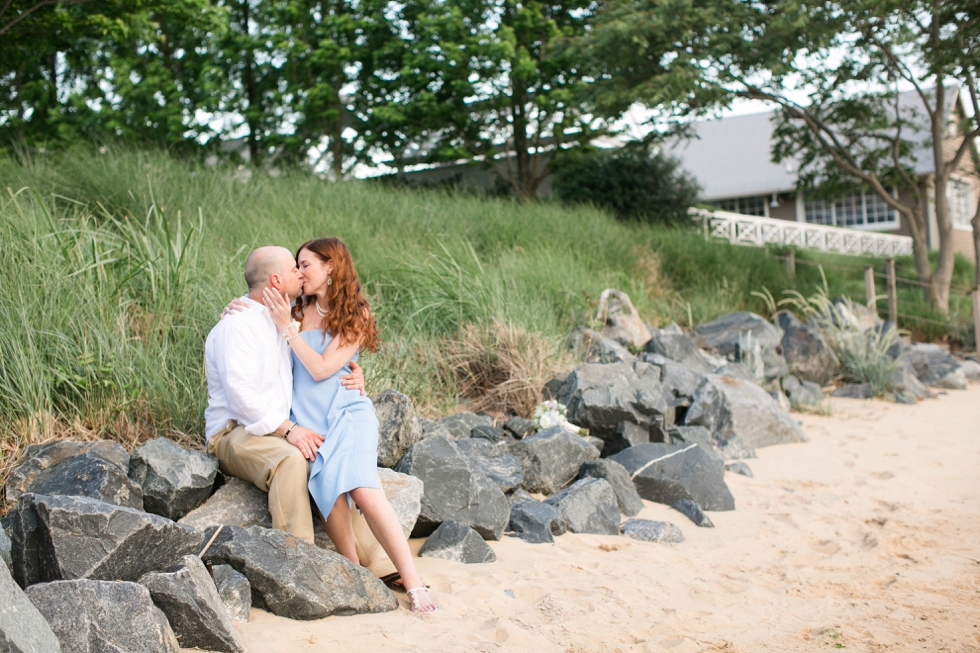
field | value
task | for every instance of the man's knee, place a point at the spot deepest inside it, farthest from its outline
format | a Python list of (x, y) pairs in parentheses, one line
[(294, 464)]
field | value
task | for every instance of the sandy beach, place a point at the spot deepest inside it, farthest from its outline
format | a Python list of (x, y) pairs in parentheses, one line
[(867, 537)]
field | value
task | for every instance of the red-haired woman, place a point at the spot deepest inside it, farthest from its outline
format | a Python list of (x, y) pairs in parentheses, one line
[(326, 329)]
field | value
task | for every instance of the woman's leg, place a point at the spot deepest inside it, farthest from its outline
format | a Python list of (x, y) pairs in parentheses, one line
[(338, 527), (384, 524)]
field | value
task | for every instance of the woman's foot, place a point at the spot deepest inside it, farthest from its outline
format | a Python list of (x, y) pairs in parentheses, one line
[(420, 600)]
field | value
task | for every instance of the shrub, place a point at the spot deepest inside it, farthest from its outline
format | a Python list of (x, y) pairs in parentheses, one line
[(631, 182)]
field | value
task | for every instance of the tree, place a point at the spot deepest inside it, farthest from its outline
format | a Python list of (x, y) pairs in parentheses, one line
[(848, 57)]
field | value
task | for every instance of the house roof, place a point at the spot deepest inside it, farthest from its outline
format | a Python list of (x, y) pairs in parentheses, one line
[(731, 157)]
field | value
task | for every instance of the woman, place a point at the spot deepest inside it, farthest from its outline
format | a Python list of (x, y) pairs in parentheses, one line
[(326, 329)]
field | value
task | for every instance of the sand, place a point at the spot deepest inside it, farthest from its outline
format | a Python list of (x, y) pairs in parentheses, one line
[(867, 537)]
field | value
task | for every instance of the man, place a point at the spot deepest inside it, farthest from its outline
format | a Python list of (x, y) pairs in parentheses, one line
[(250, 385)]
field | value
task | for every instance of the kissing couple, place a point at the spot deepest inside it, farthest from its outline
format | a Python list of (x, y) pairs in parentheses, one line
[(287, 411)]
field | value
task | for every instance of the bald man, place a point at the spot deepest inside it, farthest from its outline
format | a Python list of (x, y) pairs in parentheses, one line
[(250, 388)]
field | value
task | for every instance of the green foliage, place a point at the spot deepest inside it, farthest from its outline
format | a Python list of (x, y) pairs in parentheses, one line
[(631, 182)]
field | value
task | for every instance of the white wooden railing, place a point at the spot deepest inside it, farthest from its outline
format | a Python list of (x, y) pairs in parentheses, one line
[(741, 229)]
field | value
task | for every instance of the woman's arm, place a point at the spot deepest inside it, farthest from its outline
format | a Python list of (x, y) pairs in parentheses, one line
[(320, 367)]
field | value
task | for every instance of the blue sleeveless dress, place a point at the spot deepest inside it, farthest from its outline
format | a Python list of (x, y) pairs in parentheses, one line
[(348, 457)]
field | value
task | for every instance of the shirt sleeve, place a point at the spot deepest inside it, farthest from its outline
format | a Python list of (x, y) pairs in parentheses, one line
[(239, 367)]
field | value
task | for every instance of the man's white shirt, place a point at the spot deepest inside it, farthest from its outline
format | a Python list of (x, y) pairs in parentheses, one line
[(249, 372)]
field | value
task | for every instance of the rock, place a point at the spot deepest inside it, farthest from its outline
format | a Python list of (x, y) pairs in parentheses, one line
[(854, 391), (739, 468), (803, 394), (292, 578), (22, 627), (174, 480), (722, 335), (91, 616), (646, 530), (453, 541), (493, 434), (598, 443), (521, 427), (692, 511), (588, 506), (454, 489), (902, 397), (86, 475), (737, 371), (398, 426), (971, 370), (935, 368), (736, 449), (39, 457), (236, 503), (67, 538), (698, 434), (235, 592), (551, 388), (593, 347), (730, 407), (627, 499), (460, 424), (186, 593), (504, 469), (781, 399), (518, 496), (807, 352), (603, 398), (5, 549), (551, 458), (404, 493), (536, 522), (433, 427), (676, 345), (666, 473), (621, 319)]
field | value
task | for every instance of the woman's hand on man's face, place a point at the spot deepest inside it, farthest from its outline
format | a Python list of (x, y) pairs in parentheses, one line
[(278, 308)]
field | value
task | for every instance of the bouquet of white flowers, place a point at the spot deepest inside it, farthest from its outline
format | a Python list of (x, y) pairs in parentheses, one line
[(552, 413)]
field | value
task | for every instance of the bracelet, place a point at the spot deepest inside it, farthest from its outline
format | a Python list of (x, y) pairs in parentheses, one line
[(292, 324), (286, 434)]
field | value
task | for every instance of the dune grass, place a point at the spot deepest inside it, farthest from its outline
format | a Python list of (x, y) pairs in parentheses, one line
[(116, 266)]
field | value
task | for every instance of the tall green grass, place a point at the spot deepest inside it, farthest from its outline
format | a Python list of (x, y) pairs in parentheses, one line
[(116, 266)]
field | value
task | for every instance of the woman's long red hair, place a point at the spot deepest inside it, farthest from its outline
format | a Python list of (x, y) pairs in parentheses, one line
[(349, 315)]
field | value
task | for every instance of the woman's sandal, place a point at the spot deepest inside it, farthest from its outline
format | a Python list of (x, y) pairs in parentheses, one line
[(394, 582), (416, 606)]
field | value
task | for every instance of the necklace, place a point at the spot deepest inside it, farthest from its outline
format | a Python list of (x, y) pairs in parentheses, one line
[(320, 311)]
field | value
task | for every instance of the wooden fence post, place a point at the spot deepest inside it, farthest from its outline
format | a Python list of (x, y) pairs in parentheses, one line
[(976, 316), (869, 288), (892, 292), (791, 264)]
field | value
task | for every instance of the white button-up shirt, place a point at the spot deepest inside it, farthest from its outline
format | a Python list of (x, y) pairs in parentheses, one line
[(250, 376)]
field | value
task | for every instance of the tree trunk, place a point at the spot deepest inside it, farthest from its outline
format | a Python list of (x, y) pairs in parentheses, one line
[(251, 92), (337, 148), (523, 159)]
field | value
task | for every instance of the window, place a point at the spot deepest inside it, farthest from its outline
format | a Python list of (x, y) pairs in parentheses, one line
[(859, 209), (745, 205), (959, 195)]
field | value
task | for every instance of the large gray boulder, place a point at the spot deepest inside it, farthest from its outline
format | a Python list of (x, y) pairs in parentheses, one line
[(460, 425), (39, 457), (723, 335), (665, 473), (593, 347), (551, 458), (501, 467), (621, 320), (676, 345), (235, 592), (292, 578), (688, 434), (91, 616), (5, 549), (88, 475), (187, 594), (935, 367), (627, 498), (807, 352), (622, 403), (404, 493), (22, 627), (730, 407), (802, 394), (588, 506), (536, 522), (174, 480), (236, 503), (454, 541), (905, 381), (398, 426), (454, 489), (66, 538)]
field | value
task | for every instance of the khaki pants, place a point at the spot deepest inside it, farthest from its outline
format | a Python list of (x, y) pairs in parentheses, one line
[(277, 467)]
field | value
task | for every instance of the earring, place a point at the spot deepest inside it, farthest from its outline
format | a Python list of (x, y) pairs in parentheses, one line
[(329, 280)]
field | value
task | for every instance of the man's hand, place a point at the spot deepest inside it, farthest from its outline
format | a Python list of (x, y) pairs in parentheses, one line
[(306, 440), (354, 380)]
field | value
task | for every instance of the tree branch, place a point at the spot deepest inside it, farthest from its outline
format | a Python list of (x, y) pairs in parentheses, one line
[(6, 28)]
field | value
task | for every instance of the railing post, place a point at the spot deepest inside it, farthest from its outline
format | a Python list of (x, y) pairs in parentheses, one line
[(869, 288), (892, 292), (791, 264), (976, 316)]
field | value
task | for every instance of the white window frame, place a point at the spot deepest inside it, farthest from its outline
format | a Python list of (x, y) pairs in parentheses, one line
[(737, 200), (968, 199), (891, 225)]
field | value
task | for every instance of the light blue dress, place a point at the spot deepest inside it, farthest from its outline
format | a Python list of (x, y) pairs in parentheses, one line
[(348, 457)]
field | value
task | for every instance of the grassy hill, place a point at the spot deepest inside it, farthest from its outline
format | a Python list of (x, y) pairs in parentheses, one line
[(116, 266)]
